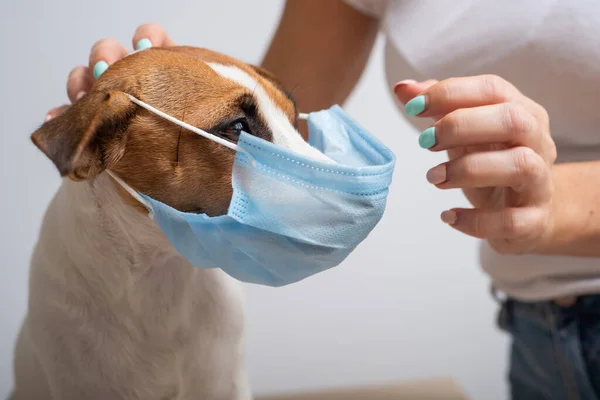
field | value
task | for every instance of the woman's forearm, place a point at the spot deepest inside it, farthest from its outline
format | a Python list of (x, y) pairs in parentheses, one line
[(320, 50), (575, 228)]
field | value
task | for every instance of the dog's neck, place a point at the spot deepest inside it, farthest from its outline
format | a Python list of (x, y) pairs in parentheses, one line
[(111, 301), (104, 242)]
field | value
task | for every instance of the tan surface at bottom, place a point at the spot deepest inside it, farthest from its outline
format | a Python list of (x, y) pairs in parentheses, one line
[(434, 389)]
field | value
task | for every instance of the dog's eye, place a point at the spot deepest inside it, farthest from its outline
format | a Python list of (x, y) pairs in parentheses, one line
[(235, 128)]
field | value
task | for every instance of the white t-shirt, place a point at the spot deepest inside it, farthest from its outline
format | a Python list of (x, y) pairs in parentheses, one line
[(550, 50)]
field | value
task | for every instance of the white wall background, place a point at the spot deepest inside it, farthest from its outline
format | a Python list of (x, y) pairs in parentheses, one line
[(410, 303)]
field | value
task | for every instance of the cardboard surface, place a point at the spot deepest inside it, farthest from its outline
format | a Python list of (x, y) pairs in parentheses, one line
[(435, 389)]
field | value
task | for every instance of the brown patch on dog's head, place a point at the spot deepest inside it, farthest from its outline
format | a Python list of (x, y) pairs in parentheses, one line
[(105, 130)]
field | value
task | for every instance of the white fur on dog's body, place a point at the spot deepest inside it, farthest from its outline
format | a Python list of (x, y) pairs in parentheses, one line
[(116, 313)]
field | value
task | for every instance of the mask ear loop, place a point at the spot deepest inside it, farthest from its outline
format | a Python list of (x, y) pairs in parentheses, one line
[(303, 116), (132, 192), (189, 127)]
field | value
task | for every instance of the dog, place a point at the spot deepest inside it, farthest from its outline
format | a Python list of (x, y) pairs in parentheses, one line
[(114, 311)]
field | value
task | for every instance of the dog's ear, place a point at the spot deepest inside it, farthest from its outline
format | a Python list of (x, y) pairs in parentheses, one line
[(88, 136)]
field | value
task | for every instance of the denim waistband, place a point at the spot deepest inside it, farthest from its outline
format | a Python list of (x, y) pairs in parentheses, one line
[(549, 312)]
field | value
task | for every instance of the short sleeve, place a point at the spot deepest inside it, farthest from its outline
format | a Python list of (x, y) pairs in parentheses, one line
[(372, 8)]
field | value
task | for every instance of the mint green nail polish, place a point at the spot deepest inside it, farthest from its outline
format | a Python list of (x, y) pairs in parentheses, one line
[(427, 138), (143, 44), (415, 106), (99, 68)]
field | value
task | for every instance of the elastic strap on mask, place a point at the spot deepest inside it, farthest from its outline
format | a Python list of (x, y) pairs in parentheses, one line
[(131, 191), (189, 127), (197, 131)]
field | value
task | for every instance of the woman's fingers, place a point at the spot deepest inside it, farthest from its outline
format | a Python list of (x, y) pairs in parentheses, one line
[(409, 88), (55, 112), (151, 35), (506, 123), (519, 168), (79, 82), (510, 224), (81, 79), (500, 151), (105, 53), (454, 93), (108, 51)]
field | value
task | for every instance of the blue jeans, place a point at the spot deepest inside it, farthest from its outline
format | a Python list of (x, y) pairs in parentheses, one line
[(555, 351)]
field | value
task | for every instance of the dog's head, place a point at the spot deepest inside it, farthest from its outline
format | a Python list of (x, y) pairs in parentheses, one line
[(221, 95)]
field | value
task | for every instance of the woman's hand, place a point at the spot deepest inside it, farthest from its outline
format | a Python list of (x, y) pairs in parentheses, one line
[(104, 53), (500, 154)]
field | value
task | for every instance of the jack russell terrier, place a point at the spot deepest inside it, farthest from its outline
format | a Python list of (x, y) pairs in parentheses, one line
[(115, 312)]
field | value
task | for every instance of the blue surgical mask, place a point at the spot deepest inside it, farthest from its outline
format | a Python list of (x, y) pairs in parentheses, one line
[(290, 216)]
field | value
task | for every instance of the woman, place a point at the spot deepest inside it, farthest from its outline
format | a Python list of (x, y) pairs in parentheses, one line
[(526, 84)]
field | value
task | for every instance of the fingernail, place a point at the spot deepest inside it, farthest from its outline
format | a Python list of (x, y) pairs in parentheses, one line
[(99, 68), (403, 83), (415, 106), (143, 44), (427, 138), (48, 117), (449, 217), (79, 95), (437, 175)]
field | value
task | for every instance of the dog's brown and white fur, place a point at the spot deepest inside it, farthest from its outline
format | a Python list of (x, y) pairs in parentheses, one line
[(114, 311)]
